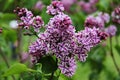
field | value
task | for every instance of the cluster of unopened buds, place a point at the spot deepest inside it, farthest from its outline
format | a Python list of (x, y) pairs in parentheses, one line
[(116, 15), (60, 38)]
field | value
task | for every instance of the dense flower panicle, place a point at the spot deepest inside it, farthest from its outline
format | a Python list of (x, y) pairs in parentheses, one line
[(38, 23), (56, 7), (111, 30), (67, 66), (92, 21), (116, 15), (61, 40), (28, 20)]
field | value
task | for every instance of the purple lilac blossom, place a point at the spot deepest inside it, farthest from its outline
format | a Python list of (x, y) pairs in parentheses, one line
[(111, 30), (56, 7), (93, 1), (88, 37), (67, 66), (61, 40), (38, 23), (39, 48), (28, 20), (104, 16), (39, 6), (87, 6), (68, 3), (92, 21), (116, 15)]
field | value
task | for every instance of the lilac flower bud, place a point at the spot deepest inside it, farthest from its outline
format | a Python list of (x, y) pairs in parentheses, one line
[(56, 7), (111, 30), (103, 35), (116, 15)]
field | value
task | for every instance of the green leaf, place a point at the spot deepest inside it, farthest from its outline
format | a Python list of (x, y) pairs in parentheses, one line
[(49, 65), (17, 69)]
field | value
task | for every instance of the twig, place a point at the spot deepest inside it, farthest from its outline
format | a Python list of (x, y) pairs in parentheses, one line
[(19, 39), (112, 55)]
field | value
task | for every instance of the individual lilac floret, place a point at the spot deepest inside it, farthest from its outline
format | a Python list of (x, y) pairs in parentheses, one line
[(38, 23), (56, 7), (116, 15), (92, 21), (25, 16), (111, 30), (104, 16), (67, 66)]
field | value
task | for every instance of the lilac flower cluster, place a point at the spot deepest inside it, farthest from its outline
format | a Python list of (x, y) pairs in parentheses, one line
[(111, 30), (28, 20), (89, 6), (56, 7), (61, 40), (116, 15), (98, 21)]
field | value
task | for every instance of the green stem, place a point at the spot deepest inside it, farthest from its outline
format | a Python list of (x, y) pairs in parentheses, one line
[(6, 61), (112, 55), (52, 75)]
